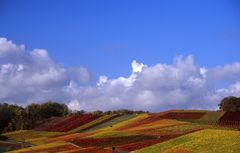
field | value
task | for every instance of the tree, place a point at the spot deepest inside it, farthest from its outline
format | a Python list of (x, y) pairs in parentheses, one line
[(50, 109), (97, 112), (5, 116), (33, 112), (18, 118), (108, 112), (123, 111), (14, 117), (230, 104), (77, 112)]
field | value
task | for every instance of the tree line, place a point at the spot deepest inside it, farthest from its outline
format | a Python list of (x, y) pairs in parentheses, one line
[(14, 117)]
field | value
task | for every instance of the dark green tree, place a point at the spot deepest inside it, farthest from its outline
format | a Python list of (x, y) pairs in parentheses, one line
[(18, 120), (97, 112), (33, 112), (5, 116), (230, 104), (77, 112), (50, 109)]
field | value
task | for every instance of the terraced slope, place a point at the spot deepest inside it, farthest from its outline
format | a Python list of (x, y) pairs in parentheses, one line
[(89, 150), (112, 122), (230, 116), (170, 132), (230, 119), (110, 141), (8, 145), (49, 123), (177, 130), (40, 140), (49, 148), (207, 141), (23, 135), (94, 123), (172, 114), (183, 115), (211, 116), (114, 130), (70, 137), (73, 122), (154, 125)]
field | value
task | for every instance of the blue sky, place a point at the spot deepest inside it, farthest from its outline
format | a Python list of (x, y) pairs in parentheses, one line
[(118, 54), (105, 36)]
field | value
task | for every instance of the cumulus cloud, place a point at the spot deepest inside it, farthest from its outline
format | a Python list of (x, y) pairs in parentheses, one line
[(32, 76), (182, 84)]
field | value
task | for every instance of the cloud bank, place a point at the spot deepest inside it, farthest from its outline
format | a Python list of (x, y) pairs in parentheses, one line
[(32, 76)]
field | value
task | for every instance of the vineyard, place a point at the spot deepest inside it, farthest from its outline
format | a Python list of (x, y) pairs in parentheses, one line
[(175, 131)]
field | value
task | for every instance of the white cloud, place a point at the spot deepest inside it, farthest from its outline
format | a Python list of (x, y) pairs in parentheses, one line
[(8, 47), (102, 80), (27, 77), (137, 67)]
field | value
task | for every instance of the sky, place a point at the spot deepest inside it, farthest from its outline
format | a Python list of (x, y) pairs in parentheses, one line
[(112, 54)]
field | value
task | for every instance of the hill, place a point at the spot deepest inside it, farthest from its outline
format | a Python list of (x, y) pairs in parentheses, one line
[(169, 131)]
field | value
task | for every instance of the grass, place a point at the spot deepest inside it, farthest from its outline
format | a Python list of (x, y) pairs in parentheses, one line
[(207, 141)]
